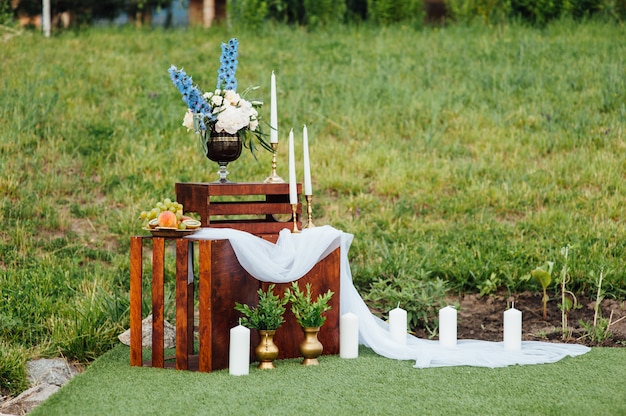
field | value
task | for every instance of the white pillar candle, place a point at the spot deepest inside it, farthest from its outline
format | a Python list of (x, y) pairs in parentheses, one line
[(349, 336), (307, 164), (397, 325), (273, 111), (239, 351), (512, 329), (293, 193), (447, 326)]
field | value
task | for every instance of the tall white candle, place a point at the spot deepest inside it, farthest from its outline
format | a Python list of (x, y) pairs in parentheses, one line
[(307, 164), (239, 351), (398, 324), (349, 335), (447, 326), (512, 329), (273, 111), (293, 193)]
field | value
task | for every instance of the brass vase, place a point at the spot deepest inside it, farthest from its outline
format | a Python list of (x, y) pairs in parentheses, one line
[(266, 352), (311, 347), (223, 148)]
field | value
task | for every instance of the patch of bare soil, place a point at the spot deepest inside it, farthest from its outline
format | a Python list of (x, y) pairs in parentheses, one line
[(480, 317)]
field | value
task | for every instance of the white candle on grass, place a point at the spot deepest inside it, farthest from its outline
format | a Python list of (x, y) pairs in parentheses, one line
[(293, 193), (349, 336), (512, 329), (447, 326), (398, 324), (239, 351), (273, 111), (308, 189)]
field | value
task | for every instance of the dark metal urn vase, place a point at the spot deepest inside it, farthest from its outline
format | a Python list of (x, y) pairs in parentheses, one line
[(223, 148)]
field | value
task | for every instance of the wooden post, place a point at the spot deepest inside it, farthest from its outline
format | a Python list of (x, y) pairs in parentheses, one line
[(158, 259), (136, 246), (45, 18)]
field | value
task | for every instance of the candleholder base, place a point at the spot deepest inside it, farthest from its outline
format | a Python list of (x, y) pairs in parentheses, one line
[(294, 214), (274, 178), (309, 211)]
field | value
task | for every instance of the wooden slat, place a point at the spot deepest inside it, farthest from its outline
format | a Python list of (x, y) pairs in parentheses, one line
[(248, 208), (190, 309), (205, 286), (256, 227), (158, 259), (182, 305), (136, 271)]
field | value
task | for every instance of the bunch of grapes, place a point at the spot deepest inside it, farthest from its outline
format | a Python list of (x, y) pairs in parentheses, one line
[(166, 205)]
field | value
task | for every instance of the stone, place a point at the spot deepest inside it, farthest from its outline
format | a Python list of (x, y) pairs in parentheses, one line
[(169, 334), (56, 371), (46, 376), (29, 399)]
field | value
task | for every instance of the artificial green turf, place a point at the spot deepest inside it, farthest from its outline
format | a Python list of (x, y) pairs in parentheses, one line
[(592, 384)]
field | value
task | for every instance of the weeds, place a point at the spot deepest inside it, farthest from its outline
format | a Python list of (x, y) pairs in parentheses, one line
[(544, 277)]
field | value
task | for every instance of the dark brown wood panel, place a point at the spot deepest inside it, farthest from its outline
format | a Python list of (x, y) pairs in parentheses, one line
[(205, 307)]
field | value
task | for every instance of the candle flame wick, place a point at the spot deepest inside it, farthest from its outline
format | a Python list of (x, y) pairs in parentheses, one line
[(398, 304)]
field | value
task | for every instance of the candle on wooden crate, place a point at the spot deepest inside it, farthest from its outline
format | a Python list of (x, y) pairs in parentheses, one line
[(293, 194), (349, 335), (308, 189), (273, 111), (239, 351), (447, 326)]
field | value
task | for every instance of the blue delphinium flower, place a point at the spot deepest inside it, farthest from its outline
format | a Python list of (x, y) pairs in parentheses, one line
[(226, 79), (192, 96)]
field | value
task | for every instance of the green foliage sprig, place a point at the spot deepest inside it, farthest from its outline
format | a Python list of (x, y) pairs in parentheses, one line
[(308, 313), (544, 277), (267, 315)]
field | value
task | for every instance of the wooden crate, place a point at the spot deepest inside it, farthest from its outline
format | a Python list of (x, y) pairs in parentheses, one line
[(258, 208), (222, 282)]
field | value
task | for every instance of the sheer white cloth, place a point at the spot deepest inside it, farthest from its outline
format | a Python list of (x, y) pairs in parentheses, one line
[(294, 255)]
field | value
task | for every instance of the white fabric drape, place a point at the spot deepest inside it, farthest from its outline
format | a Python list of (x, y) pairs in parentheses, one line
[(294, 255)]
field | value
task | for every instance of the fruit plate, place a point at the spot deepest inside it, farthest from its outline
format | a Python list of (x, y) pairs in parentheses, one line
[(170, 232)]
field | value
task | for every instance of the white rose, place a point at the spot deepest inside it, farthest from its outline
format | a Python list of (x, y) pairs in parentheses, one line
[(232, 97), (188, 120), (231, 120), (217, 100)]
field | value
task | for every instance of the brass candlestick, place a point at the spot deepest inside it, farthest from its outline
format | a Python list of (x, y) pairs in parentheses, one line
[(309, 211), (294, 214), (274, 178)]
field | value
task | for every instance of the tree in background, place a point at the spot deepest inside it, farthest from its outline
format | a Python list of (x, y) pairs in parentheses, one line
[(83, 12)]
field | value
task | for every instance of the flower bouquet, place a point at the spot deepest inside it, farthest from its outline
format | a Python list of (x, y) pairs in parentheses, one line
[(223, 118)]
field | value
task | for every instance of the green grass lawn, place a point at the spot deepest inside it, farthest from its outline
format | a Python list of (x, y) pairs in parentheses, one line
[(590, 384), (461, 158)]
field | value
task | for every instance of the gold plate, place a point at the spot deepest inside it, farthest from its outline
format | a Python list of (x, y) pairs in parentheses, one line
[(170, 232)]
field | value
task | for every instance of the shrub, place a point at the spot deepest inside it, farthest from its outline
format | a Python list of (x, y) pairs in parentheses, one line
[(390, 11), (249, 13), (421, 296), (322, 12)]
